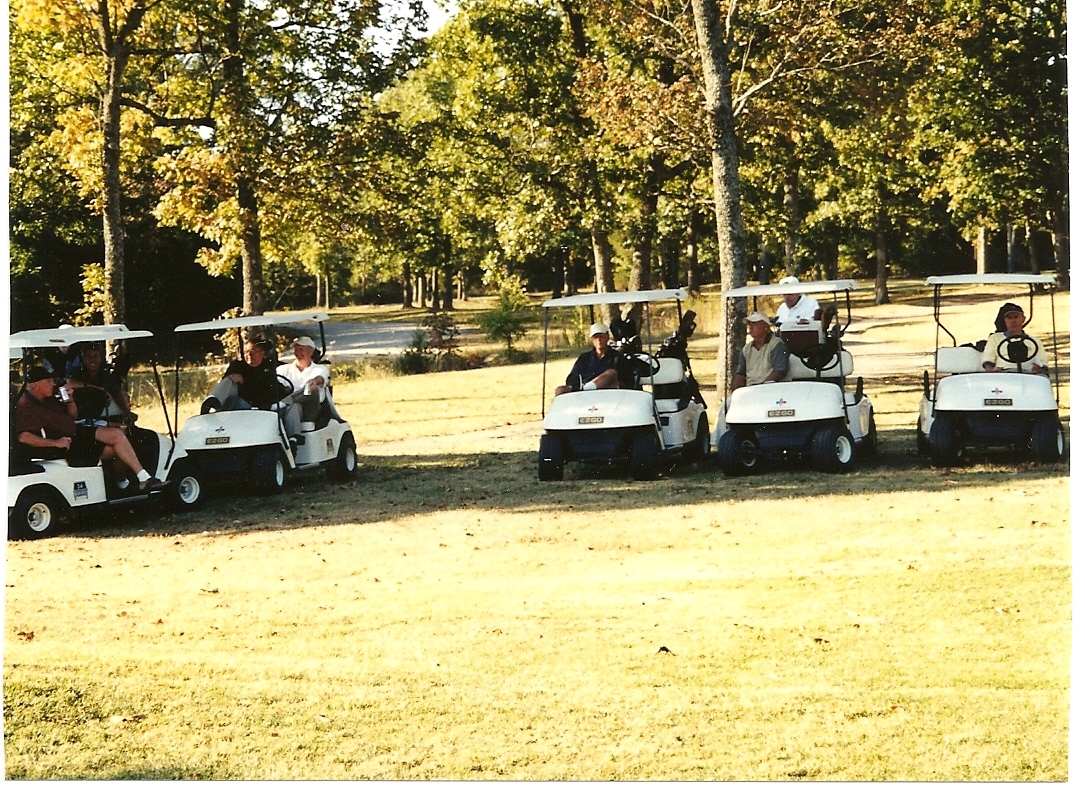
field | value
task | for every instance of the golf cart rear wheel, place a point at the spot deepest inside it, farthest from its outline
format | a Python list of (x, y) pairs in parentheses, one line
[(346, 461), (551, 459), (701, 448), (36, 513), (644, 450), (922, 445), (946, 445), (186, 486), (870, 441), (737, 453), (1048, 440), (832, 448), (269, 471)]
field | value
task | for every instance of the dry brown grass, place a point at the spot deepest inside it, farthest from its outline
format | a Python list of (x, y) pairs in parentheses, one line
[(446, 616)]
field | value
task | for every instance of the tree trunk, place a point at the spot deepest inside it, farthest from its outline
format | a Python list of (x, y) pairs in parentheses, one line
[(408, 287), (117, 49), (604, 273), (238, 104), (1060, 220), (252, 266), (792, 212), (724, 145), (693, 229), (881, 250), (640, 275), (447, 275)]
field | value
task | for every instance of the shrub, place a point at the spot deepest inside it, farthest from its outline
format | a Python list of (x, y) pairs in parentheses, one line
[(505, 321)]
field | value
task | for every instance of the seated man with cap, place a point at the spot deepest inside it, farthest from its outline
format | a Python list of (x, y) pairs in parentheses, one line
[(764, 359), (310, 381), (1010, 325), (46, 428), (596, 368), (797, 307)]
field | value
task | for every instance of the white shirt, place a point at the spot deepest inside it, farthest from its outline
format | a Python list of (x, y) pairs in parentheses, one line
[(804, 309), (990, 353), (300, 377)]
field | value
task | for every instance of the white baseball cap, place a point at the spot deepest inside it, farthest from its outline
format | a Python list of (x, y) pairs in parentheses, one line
[(598, 328)]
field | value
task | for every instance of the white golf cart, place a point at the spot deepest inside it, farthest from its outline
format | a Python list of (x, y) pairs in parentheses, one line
[(253, 444), (43, 491), (966, 407), (810, 414), (658, 411)]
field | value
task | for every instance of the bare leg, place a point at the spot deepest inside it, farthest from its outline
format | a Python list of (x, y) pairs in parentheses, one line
[(118, 446)]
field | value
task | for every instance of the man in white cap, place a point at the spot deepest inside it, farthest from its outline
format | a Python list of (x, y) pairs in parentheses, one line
[(596, 368), (796, 307), (764, 358), (310, 381)]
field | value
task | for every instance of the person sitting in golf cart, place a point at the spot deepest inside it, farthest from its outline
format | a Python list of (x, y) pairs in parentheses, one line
[(1010, 331), (247, 384), (798, 308), (764, 359), (98, 393), (46, 428), (310, 381), (596, 368)]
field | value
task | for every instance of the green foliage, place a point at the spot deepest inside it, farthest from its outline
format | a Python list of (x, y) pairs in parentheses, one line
[(505, 320)]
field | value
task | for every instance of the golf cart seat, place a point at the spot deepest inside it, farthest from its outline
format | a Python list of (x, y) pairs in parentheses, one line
[(959, 360), (830, 370), (803, 340), (670, 386)]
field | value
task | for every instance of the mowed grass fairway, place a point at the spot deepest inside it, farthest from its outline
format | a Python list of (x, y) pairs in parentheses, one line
[(446, 616)]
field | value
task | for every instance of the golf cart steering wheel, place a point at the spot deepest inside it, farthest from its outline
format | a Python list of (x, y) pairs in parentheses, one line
[(1011, 345), (650, 361), (813, 361), (286, 388)]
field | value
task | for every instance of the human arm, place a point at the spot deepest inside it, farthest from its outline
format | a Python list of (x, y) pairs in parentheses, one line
[(779, 356), (32, 440)]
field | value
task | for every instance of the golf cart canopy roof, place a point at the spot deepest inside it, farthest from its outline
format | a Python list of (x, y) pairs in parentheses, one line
[(618, 298), (992, 279), (70, 336), (779, 289), (264, 320)]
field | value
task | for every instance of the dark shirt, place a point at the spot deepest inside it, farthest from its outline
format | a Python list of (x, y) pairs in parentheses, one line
[(48, 418), (91, 403), (588, 366), (259, 387)]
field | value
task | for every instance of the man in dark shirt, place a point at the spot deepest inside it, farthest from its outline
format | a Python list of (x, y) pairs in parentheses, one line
[(596, 368), (46, 429), (98, 394), (245, 384)]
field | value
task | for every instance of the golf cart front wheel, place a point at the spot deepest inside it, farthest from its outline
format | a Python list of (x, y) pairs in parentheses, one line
[(832, 448), (346, 461), (1048, 440), (946, 445), (186, 486), (644, 451), (551, 459), (269, 471), (36, 513), (737, 453)]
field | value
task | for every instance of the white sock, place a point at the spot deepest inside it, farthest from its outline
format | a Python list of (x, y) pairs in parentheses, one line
[(142, 476), (122, 484)]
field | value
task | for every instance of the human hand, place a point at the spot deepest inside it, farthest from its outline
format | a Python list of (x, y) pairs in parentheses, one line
[(64, 442)]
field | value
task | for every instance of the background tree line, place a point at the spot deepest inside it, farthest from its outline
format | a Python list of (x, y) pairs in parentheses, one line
[(171, 159)]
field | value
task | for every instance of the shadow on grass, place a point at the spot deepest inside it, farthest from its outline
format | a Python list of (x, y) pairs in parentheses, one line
[(388, 488)]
